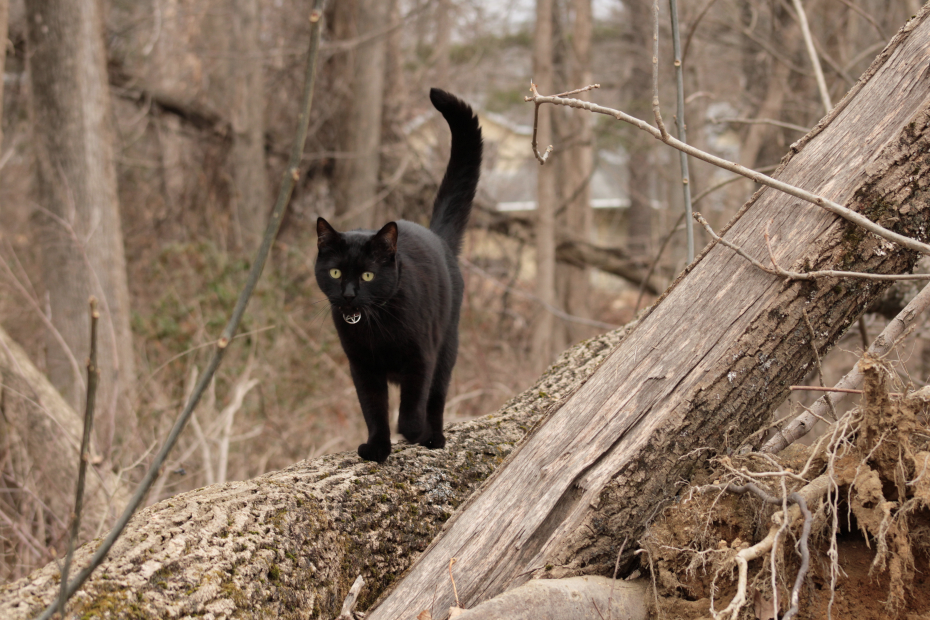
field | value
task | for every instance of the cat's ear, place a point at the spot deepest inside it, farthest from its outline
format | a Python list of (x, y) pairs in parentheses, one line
[(326, 235), (385, 240)]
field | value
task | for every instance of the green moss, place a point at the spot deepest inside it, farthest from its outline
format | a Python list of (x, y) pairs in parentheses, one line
[(274, 573)]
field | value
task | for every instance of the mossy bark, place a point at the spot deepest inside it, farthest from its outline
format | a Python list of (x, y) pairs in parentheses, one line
[(289, 544)]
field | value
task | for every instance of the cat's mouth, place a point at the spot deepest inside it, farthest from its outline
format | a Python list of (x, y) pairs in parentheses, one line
[(353, 318)]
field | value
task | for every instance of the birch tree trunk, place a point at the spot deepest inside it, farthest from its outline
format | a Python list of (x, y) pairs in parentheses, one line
[(82, 242)]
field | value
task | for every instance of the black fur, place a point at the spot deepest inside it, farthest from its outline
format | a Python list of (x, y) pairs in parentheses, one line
[(407, 315)]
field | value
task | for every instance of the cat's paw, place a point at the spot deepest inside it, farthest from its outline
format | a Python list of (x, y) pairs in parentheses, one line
[(375, 451), (412, 431), (433, 441)]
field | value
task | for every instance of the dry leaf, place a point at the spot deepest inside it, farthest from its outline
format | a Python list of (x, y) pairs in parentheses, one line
[(455, 611), (425, 615)]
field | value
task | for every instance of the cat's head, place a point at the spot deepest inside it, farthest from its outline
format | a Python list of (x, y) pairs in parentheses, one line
[(356, 270)]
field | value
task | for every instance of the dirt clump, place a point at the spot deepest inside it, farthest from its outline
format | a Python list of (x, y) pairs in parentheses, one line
[(866, 483)]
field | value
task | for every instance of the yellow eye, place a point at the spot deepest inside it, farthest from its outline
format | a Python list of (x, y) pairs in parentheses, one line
[(368, 276), (335, 273)]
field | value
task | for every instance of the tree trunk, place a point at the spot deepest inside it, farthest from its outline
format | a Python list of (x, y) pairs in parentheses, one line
[(251, 199), (575, 162), (711, 361), (546, 194), (357, 172), (82, 243), (639, 87), (289, 544)]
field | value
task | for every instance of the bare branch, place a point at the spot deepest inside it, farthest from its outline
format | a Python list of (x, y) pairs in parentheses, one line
[(801, 425), (809, 275), (540, 157), (655, 70), (815, 61), (93, 376), (820, 201)]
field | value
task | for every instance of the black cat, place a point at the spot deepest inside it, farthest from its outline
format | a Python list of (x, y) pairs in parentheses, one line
[(396, 296)]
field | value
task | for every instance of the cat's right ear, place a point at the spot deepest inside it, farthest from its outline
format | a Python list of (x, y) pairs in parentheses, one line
[(326, 235)]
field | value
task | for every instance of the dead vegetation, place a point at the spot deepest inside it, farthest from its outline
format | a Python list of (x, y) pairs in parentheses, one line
[(867, 482)]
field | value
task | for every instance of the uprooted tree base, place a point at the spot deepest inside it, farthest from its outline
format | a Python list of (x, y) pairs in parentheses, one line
[(881, 467)]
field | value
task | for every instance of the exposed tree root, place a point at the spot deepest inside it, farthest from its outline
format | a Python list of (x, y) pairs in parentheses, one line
[(869, 474)]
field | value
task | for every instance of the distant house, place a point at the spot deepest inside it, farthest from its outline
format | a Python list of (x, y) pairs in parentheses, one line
[(509, 170)]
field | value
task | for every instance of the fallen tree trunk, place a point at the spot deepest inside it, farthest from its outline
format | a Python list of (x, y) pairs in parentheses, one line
[(710, 362), (290, 543)]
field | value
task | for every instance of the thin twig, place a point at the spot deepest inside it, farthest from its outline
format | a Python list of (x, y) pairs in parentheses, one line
[(815, 61), (351, 599), (703, 194), (540, 157), (93, 377), (820, 201), (655, 263), (610, 597), (289, 179), (762, 121), (656, 111), (884, 343), (682, 128), (810, 328), (817, 388), (809, 275), (452, 579)]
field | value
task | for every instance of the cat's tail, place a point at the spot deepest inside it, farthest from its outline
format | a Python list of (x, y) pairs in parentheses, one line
[(457, 191)]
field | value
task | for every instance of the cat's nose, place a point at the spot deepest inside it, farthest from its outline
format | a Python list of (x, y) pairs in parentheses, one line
[(349, 292)]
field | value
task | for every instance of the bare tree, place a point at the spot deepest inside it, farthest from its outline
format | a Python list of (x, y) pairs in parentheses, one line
[(81, 237), (575, 165), (356, 175), (546, 193), (247, 114), (640, 149)]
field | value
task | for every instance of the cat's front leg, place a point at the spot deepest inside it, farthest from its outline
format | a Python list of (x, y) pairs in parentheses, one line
[(414, 389), (372, 390)]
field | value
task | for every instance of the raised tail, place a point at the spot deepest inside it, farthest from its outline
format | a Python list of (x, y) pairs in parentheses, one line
[(457, 191)]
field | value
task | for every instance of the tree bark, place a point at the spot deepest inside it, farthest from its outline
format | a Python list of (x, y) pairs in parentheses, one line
[(82, 243), (711, 361), (289, 544)]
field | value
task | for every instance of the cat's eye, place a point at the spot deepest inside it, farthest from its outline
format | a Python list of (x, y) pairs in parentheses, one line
[(335, 273), (368, 276)]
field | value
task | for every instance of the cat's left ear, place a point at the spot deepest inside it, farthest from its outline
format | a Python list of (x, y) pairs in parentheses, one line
[(385, 240), (326, 235)]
